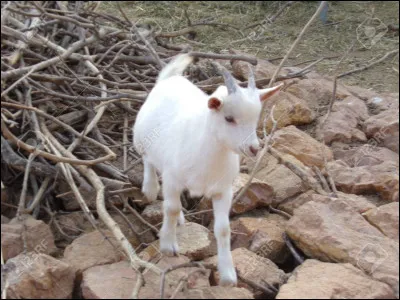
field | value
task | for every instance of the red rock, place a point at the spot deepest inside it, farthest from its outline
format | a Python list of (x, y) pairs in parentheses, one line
[(335, 232), (253, 267), (38, 236), (386, 219), (317, 92), (382, 178), (153, 213), (39, 276), (365, 155), (151, 290), (289, 110), (194, 240), (358, 203), (262, 235), (343, 122), (284, 182), (92, 249), (332, 281), (112, 281), (384, 129), (384, 101), (216, 292), (259, 193), (290, 140)]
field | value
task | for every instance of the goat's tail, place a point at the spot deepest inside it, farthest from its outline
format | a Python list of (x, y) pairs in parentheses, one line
[(175, 67)]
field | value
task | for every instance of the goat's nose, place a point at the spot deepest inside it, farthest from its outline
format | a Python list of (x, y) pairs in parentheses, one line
[(253, 150)]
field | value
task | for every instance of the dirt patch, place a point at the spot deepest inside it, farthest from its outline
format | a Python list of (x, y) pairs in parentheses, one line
[(345, 22)]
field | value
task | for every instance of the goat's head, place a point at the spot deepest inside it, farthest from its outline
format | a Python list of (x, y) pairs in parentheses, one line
[(236, 110)]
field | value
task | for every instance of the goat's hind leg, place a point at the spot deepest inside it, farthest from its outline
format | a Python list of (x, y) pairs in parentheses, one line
[(172, 210), (181, 219), (150, 186)]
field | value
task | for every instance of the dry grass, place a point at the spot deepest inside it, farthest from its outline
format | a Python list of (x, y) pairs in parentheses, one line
[(322, 40)]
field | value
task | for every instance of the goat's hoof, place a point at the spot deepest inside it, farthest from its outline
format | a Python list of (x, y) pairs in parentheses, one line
[(169, 249), (228, 278)]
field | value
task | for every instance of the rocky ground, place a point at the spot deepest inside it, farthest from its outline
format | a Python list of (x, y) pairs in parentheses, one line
[(320, 218), (348, 243)]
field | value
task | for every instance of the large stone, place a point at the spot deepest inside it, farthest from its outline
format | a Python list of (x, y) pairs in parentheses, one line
[(153, 213), (340, 127), (259, 193), (358, 203), (216, 292), (92, 249), (357, 107), (386, 219), (194, 240), (293, 141), (320, 280), (365, 155), (37, 235), (382, 179), (343, 122), (317, 92), (112, 281), (284, 182), (253, 267), (384, 129), (289, 110), (197, 279), (384, 101), (38, 276), (334, 232), (262, 235)]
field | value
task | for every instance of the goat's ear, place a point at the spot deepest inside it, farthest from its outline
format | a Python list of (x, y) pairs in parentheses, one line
[(267, 93), (214, 103)]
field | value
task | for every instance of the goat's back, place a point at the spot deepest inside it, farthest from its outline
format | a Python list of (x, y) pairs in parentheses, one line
[(168, 117)]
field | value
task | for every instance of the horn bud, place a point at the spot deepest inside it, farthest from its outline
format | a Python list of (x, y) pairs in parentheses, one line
[(229, 81), (251, 80)]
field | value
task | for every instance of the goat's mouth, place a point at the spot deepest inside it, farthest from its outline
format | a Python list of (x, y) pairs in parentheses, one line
[(246, 152)]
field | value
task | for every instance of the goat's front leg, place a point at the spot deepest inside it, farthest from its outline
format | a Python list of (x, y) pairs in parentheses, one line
[(172, 209), (222, 205)]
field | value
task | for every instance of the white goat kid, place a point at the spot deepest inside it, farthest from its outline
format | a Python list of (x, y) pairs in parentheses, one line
[(194, 141)]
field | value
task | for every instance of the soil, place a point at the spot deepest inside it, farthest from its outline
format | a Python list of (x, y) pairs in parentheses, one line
[(361, 28)]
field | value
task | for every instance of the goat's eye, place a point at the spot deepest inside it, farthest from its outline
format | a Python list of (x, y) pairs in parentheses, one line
[(230, 119)]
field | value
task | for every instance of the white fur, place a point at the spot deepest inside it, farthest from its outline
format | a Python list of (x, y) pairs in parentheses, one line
[(193, 147)]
